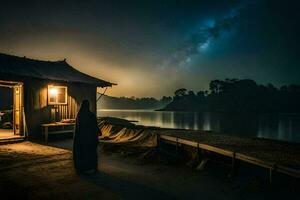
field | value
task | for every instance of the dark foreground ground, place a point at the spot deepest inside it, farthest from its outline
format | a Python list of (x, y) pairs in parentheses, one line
[(33, 171)]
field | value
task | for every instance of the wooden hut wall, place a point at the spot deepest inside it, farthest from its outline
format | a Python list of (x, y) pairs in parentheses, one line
[(38, 111)]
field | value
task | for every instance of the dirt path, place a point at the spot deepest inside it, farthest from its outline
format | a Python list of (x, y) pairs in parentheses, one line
[(33, 171)]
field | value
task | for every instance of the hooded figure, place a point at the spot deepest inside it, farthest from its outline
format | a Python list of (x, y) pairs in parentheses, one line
[(85, 139)]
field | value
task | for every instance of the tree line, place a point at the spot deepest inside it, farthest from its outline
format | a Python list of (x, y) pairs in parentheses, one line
[(132, 103), (234, 95)]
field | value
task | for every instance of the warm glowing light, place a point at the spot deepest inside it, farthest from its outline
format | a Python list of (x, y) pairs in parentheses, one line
[(53, 92)]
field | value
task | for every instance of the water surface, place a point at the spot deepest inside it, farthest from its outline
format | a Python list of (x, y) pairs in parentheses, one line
[(273, 126)]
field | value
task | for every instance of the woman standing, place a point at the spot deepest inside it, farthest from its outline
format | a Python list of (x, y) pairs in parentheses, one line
[(85, 140)]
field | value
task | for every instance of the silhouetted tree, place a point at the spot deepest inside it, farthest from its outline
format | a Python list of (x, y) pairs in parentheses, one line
[(180, 92), (233, 95), (166, 100)]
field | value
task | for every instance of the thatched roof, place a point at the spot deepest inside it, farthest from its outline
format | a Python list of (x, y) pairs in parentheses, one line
[(48, 70)]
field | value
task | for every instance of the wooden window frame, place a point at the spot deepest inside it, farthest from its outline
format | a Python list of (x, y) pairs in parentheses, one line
[(58, 87)]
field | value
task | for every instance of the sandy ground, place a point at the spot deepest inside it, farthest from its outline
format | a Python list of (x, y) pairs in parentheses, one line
[(33, 171), (7, 133)]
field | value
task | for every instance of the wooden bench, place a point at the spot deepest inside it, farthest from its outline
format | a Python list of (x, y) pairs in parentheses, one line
[(64, 128)]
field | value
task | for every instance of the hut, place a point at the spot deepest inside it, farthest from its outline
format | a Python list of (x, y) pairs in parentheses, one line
[(45, 92)]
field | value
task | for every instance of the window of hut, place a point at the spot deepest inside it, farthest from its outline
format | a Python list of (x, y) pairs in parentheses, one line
[(57, 95)]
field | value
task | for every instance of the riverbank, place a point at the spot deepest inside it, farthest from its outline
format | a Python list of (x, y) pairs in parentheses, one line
[(275, 156)]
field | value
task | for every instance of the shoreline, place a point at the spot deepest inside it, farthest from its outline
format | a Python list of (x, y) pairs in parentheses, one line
[(262, 152), (196, 111)]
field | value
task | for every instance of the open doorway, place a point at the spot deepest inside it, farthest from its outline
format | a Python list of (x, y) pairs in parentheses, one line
[(11, 109)]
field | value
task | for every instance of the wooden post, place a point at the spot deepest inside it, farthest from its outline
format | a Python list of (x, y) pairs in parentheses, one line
[(271, 172), (158, 142), (177, 147), (198, 152), (270, 175), (46, 134), (234, 165), (202, 164), (158, 146), (202, 158)]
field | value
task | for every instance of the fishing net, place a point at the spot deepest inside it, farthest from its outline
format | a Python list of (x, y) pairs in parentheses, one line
[(118, 131)]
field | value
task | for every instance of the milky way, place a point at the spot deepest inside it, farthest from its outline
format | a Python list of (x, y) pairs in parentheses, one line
[(151, 48)]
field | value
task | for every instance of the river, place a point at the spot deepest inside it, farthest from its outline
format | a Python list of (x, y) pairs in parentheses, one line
[(284, 127)]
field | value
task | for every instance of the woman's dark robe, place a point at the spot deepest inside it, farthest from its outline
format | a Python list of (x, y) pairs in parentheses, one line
[(85, 140)]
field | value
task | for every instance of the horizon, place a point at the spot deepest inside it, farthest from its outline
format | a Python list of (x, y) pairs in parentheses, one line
[(207, 89), (151, 54)]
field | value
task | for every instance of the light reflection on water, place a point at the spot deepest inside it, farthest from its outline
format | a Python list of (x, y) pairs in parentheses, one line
[(274, 126)]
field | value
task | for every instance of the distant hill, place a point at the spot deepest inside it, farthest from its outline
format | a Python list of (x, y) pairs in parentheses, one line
[(233, 95), (109, 102)]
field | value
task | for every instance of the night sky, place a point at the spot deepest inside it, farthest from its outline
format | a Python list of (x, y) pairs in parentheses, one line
[(151, 48)]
